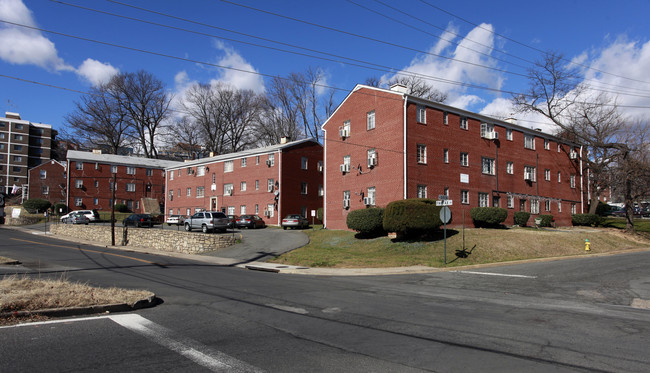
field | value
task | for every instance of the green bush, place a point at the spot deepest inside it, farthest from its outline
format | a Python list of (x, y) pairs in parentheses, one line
[(585, 219), (547, 220), (412, 216), (603, 209), (488, 216), (521, 218), (319, 214), (36, 205), (366, 221), (120, 207), (60, 207)]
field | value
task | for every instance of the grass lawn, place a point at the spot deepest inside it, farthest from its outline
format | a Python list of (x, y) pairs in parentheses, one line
[(341, 249)]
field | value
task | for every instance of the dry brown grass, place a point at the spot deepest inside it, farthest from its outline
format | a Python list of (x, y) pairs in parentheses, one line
[(25, 294)]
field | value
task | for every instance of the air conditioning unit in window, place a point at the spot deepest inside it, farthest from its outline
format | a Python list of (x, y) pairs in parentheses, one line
[(491, 135), (344, 132), (573, 155), (528, 176), (320, 168), (367, 201), (228, 193), (345, 168), (346, 203), (372, 160)]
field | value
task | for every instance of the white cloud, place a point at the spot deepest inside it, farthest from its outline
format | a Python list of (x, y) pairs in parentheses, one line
[(22, 46), (96, 72), (236, 74), (470, 71)]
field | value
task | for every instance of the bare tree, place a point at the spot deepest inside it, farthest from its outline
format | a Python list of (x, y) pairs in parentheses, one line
[(297, 106), (631, 169), (224, 115), (99, 120), (419, 87), (184, 132), (592, 120), (145, 100)]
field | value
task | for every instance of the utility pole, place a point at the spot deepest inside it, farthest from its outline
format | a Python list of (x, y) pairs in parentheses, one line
[(113, 209)]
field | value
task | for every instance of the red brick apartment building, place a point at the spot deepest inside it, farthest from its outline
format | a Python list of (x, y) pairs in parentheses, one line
[(384, 145), (49, 181), (91, 174), (271, 181)]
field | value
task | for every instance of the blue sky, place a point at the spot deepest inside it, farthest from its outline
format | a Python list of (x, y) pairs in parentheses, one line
[(483, 43)]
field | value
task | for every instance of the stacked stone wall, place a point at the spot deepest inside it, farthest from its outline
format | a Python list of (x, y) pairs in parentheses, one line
[(157, 239)]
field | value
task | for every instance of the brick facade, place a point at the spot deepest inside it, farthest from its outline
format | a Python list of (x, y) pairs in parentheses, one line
[(90, 176), (438, 156), (48, 181), (257, 186)]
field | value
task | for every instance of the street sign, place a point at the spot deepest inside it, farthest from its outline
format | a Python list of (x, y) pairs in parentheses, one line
[(445, 214), (447, 202), (443, 197)]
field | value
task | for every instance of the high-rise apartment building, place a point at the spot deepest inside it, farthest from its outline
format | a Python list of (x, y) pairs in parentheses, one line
[(23, 145)]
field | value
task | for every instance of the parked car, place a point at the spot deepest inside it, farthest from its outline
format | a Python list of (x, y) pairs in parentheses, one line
[(208, 221), (138, 220), (618, 213), (175, 219), (76, 218), (233, 220), (92, 215), (295, 221), (250, 222)]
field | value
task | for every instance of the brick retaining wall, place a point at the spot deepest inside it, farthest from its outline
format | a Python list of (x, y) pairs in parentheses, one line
[(158, 239)]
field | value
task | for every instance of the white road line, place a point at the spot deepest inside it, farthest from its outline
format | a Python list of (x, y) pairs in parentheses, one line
[(301, 311), (495, 274), (214, 360), (200, 354)]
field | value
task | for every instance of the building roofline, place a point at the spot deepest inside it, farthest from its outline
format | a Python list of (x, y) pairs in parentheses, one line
[(242, 154), (452, 109), (63, 164), (76, 155)]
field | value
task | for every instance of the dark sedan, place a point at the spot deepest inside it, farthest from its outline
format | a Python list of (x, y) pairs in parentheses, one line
[(138, 220), (250, 222), (233, 221)]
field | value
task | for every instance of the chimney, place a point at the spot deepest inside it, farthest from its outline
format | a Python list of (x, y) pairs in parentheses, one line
[(285, 139), (10, 115), (97, 151), (397, 87)]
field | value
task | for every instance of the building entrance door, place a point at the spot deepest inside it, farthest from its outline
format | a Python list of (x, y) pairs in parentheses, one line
[(213, 204)]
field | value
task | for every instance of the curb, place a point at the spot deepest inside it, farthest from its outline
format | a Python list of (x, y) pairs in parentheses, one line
[(149, 302)]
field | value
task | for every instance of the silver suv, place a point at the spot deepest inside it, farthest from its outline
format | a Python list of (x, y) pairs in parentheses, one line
[(207, 221)]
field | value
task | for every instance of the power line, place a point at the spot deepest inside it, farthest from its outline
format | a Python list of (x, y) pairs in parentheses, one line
[(378, 67), (159, 54), (526, 45)]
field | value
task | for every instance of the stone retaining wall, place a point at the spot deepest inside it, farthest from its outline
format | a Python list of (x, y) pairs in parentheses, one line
[(155, 238)]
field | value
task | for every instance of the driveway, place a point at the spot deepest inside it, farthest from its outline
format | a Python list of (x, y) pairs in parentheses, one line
[(262, 244)]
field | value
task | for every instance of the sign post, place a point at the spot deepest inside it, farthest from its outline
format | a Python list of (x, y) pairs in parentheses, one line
[(445, 216)]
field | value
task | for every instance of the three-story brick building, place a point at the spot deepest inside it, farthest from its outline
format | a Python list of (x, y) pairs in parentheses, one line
[(91, 176), (270, 181), (385, 145)]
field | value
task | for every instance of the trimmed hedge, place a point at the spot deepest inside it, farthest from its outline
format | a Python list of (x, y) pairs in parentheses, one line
[(521, 218), (547, 220), (62, 207), (585, 219), (120, 207), (366, 221), (36, 205), (411, 216), (488, 216)]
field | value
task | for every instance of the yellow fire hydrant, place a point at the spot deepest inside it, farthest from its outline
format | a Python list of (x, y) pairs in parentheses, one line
[(587, 245)]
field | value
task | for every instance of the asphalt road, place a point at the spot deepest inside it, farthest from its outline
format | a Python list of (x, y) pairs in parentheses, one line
[(561, 316)]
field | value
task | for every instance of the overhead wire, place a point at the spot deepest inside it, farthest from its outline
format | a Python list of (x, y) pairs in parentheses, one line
[(526, 45), (377, 67)]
